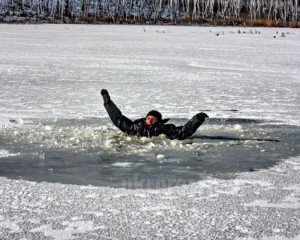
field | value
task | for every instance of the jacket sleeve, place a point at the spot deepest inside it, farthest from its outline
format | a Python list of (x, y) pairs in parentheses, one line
[(187, 130), (118, 119)]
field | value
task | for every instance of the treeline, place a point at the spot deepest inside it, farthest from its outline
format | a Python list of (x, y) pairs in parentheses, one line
[(152, 11)]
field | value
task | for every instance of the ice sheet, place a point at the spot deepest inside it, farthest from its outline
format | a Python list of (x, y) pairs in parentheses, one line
[(56, 71)]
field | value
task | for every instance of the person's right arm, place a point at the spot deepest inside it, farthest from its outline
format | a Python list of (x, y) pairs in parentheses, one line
[(116, 116)]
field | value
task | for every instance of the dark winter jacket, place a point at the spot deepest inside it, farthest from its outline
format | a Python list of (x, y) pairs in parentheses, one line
[(139, 127)]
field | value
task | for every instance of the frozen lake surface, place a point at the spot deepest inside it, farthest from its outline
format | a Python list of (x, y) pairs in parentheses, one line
[(236, 178)]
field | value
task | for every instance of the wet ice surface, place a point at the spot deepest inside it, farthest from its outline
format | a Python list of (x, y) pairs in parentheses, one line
[(92, 151), (56, 71)]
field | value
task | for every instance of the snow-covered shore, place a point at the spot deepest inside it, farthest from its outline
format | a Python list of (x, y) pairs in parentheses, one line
[(56, 71)]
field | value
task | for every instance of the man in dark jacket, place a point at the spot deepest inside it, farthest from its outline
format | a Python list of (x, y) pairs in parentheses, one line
[(151, 126)]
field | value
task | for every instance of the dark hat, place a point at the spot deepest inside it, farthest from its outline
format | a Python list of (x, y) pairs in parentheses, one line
[(158, 115)]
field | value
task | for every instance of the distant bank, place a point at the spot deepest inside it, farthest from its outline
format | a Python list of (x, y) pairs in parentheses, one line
[(269, 13)]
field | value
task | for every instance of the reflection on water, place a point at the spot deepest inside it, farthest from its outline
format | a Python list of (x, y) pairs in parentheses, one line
[(92, 151)]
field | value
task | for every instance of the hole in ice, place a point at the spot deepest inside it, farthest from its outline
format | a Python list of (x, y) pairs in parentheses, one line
[(92, 151)]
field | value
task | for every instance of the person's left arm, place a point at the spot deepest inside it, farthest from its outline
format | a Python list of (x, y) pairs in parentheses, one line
[(187, 130)]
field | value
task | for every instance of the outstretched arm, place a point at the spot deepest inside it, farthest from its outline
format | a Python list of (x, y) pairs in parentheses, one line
[(187, 129), (116, 116)]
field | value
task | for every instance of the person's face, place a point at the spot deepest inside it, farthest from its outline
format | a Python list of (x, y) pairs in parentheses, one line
[(150, 120)]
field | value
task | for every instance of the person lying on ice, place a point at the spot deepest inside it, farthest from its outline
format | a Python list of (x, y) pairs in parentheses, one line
[(151, 126)]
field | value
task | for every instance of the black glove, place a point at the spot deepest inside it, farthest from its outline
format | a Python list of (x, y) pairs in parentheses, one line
[(202, 115), (105, 95)]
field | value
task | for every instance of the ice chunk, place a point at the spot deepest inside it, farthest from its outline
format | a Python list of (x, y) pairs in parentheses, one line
[(5, 153), (48, 128), (238, 127), (160, 156), (122, 164)]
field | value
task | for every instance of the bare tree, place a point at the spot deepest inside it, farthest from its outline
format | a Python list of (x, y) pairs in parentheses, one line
[(172, 10)]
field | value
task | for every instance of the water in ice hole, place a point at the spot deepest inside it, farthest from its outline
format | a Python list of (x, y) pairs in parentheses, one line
[(92, 151)]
